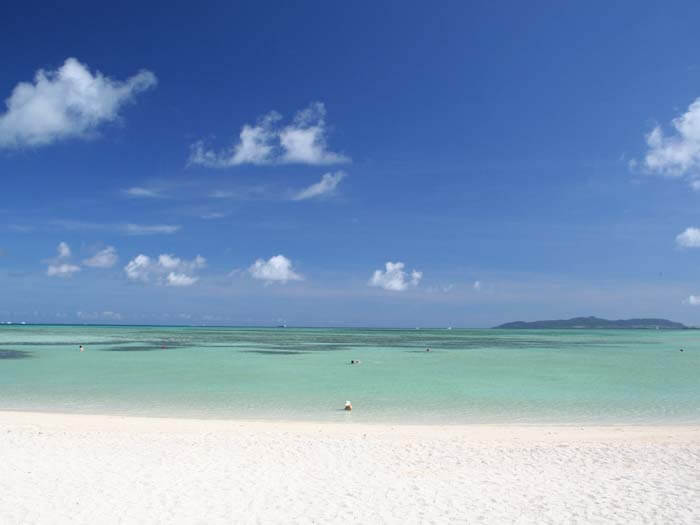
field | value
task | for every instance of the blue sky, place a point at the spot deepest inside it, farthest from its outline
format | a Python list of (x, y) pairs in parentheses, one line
[(378, 164)]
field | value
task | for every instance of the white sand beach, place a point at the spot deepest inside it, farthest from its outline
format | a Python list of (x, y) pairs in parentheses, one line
[(60, 468)]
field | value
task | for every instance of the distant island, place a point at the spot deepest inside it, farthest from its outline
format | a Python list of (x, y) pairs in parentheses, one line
[(598, 323)]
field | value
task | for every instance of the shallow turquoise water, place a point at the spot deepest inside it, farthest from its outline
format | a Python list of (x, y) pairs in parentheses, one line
[(470, 376)]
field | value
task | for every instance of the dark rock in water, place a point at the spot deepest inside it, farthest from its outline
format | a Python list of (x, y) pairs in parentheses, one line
[(14, 354), (274, 352), (597, 323), (149, 348)]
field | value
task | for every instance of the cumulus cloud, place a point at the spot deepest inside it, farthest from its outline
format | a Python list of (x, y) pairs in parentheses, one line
[(65, 103), (166, 269), (58, 266), (275, 269), (326, 186), (693, 300), (62, 270), (103, 259), (690, 238), (303, 141), (394, 277), (139, 192), (677, 154), (155, 229), (63, 250), (180, 279), (138, 268)]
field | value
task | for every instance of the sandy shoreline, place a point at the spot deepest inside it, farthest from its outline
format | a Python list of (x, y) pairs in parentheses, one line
[(60, 468)]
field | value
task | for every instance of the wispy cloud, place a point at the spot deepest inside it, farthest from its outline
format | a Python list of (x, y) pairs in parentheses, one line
[(477, 286), (275, 269), (21, 228), (154, 229), (62, 270), (107, 315), (65, 103), (105, 258), (394, 277), (128, 228), (323, 188), (303, 141), (221, 194), (139, 192), (442, 289), (240, 193), (212, 215), (677, 154), (166, 270)]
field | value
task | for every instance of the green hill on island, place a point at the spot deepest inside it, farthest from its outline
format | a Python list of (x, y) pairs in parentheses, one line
[(598, 323)]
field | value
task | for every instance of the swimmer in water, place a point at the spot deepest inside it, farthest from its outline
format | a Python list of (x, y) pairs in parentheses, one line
[(81, 348), (348, 406), (427, 349)]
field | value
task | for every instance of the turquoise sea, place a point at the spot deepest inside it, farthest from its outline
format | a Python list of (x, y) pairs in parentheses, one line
[(469, 376)]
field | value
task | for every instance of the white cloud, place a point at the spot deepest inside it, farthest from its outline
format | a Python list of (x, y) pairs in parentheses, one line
[(168, 261), (57, 266), (477, 285), (155, 229), (256, 145), (326, 186), (106, 315), (63, 250), (138, 268), (180, 279), (275, 269), (138, 191), (69, 102), (304, 140), (212, 215), (693, 300), (677, 154), (301, 142), (690, 238), (128, 229), (166, 269), (62, 270), (103, 259), (394, 277)]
